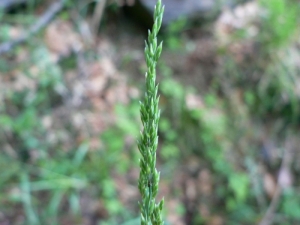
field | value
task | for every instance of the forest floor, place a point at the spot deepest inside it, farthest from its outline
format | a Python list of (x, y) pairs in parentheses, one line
[(70, 107)]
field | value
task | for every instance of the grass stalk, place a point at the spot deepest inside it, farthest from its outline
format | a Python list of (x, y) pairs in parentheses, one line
[(151, 213)]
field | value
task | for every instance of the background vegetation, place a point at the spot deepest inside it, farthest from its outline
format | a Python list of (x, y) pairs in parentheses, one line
[(229, 129)]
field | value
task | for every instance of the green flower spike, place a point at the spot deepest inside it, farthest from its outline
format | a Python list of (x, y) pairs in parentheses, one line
[(151, 213)]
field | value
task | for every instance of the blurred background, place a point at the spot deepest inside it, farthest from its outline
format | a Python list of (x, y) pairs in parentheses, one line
[(72, 76)]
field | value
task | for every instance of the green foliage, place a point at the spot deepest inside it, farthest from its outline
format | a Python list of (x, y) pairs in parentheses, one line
[(279, 22), (269, 79), (114, 138), (239, 184), (291, 204), (277, 89), (173, 32)]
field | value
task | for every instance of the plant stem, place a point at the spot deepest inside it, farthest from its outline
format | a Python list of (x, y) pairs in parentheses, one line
[(151, 213)]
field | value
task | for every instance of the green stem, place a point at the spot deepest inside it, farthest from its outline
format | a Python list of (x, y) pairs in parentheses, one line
[(151, 213)]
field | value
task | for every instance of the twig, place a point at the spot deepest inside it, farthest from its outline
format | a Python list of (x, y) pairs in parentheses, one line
[(285, 166), (268, 217), (42, 22), (98, 12)]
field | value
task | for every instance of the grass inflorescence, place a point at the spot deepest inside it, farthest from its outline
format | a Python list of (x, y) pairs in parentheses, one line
[(151, 213)]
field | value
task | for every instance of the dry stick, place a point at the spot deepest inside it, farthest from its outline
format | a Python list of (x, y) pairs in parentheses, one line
[(42, 22), (269, 215), (285, 166), (98, 13)]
